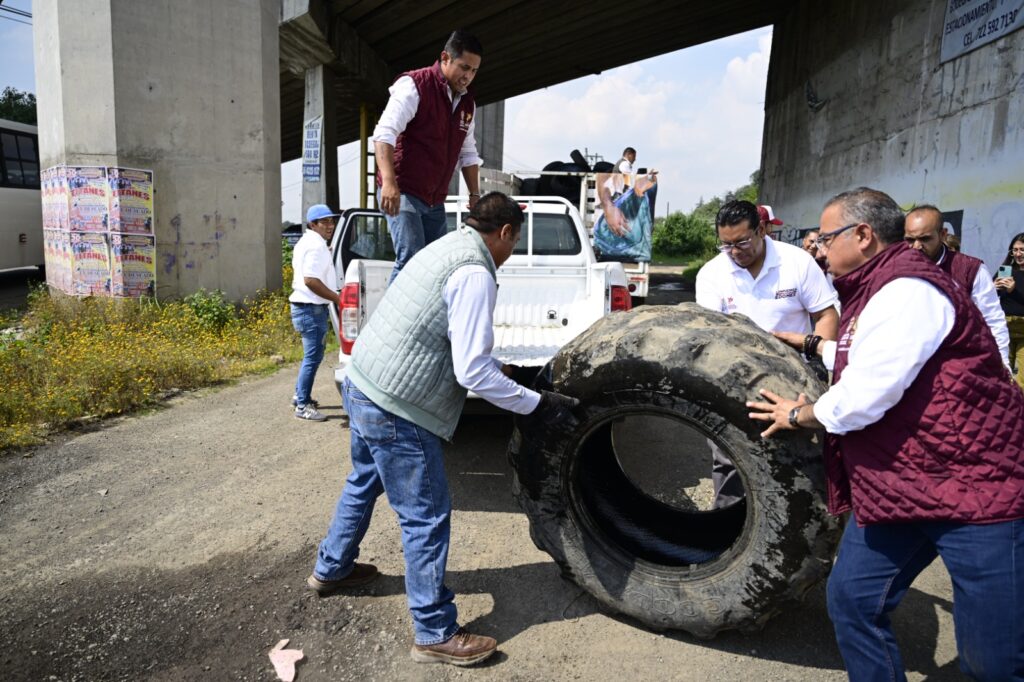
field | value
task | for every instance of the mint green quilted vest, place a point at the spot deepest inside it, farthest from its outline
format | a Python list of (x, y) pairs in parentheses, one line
[(402, 359)]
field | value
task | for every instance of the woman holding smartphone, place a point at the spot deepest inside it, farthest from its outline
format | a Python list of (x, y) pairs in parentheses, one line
[(1009, 283)]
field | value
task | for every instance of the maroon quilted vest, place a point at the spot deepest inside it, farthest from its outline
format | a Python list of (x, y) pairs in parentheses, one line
[(962, 268), (428, 149), (952, 448)]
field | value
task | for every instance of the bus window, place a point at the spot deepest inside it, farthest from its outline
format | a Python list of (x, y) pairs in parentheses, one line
[(20, 161)]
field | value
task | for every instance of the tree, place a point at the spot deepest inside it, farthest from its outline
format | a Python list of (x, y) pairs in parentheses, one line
[(19, 106), (693, 234), (679, 234), (751, 191)]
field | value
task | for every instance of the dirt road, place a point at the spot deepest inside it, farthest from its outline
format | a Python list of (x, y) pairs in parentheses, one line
[(174, 546)]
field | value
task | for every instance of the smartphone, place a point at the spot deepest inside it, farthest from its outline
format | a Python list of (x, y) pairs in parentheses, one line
[(1004, 271)]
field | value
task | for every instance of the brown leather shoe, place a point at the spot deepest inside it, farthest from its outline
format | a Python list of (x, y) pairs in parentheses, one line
[(462, 649), (361, 574)]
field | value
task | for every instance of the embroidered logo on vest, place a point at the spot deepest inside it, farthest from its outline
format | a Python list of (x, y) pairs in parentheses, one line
[(846, 340)]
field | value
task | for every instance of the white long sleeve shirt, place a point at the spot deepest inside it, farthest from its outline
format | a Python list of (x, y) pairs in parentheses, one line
[(401, 108), (900, 328), (984, 295), (470, 294)]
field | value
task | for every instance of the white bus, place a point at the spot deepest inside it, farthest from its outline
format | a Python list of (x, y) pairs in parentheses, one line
[(21, 207)]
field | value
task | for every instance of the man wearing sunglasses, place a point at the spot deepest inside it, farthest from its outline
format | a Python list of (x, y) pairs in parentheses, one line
[(924, 445), (777, 285)]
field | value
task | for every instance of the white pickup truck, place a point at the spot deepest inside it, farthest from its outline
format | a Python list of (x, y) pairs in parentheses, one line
[(550, 289)]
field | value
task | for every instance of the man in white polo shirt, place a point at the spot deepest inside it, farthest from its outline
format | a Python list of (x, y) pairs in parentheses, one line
[(777, 285), (314, 285)]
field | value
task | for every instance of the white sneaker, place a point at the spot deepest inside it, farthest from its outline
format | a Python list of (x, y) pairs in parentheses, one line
[(310, 413)]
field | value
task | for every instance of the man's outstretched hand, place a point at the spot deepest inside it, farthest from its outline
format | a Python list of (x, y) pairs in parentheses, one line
[(776, 410)]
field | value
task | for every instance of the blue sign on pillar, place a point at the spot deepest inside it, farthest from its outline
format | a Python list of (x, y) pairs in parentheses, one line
[(311, 149)]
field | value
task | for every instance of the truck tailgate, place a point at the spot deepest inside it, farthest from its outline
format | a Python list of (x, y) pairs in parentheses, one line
[(539, 310)]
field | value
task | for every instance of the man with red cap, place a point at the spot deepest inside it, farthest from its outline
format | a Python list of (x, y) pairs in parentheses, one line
[(768, 218)]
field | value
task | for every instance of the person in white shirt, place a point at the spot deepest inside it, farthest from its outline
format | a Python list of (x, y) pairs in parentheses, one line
[(777, 285), (397, 425), (425, 132), (925, 231), (314, 287), (924, 446), (625, 164)]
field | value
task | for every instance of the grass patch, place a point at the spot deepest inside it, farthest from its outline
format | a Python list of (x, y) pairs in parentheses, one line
[(663, 259), (75, 358)]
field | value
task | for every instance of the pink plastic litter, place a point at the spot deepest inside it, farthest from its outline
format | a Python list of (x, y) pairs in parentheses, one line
[(284, 660)]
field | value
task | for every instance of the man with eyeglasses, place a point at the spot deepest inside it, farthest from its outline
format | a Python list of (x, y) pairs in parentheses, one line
[(924, 445), (777, 285), (925, 232)]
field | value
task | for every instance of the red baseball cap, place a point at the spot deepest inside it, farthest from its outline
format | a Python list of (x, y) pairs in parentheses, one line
[(765, 212)]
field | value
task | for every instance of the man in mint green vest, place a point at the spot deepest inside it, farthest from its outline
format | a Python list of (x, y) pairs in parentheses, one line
[(428, 342)]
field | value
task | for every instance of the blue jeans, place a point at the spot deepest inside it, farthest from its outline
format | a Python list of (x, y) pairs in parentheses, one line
[(415, 226), (310, 321), (394, 455), (876, 566)]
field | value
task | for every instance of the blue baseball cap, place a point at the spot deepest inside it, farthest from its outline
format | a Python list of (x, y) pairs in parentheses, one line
[(319, 212)]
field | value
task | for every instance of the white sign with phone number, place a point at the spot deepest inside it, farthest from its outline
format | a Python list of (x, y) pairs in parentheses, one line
[(969, 24)]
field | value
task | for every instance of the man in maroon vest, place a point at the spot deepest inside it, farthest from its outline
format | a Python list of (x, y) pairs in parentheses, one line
[(925, 445), (426, 130), (925, 232)]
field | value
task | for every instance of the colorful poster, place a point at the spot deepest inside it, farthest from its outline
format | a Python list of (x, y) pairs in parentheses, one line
[(46, 196), (57, 252), (87, 190), (64, 276), (133, 268), (131, 200), (51, 255), (90, 264), (61, 198)]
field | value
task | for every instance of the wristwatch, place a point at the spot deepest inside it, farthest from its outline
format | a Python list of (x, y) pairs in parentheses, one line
[(794, 416)]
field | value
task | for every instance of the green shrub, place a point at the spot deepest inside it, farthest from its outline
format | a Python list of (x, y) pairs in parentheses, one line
[(680, 234), (74, 358), (211, 308)]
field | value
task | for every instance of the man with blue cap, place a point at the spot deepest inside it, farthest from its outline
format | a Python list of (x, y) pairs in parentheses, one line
[(314, 287)]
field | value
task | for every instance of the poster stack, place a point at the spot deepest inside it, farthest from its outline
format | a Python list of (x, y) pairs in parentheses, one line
[(98, 230)]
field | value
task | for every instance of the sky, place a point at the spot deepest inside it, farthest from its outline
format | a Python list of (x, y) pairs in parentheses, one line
[(696, 115)]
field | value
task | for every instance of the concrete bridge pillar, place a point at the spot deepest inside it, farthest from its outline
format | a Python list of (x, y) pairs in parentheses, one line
[(320, 179), (190, 90)]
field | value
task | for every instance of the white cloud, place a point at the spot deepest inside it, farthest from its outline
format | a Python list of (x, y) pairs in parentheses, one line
[(701, 130), (703, 141)]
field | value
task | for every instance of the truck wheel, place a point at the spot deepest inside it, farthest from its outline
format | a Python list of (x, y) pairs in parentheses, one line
[(668, 565)]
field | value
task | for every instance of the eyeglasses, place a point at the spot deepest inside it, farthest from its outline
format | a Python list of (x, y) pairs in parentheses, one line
[(726, 247), (824, 240)]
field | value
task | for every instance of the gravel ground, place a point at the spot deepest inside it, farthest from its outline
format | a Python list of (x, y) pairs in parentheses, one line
[(174, 545)]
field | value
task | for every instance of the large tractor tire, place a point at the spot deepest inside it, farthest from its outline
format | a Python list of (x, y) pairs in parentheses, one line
[(670, 567)]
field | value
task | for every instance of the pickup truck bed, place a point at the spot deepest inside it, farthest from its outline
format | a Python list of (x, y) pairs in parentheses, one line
[(550, 290)]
